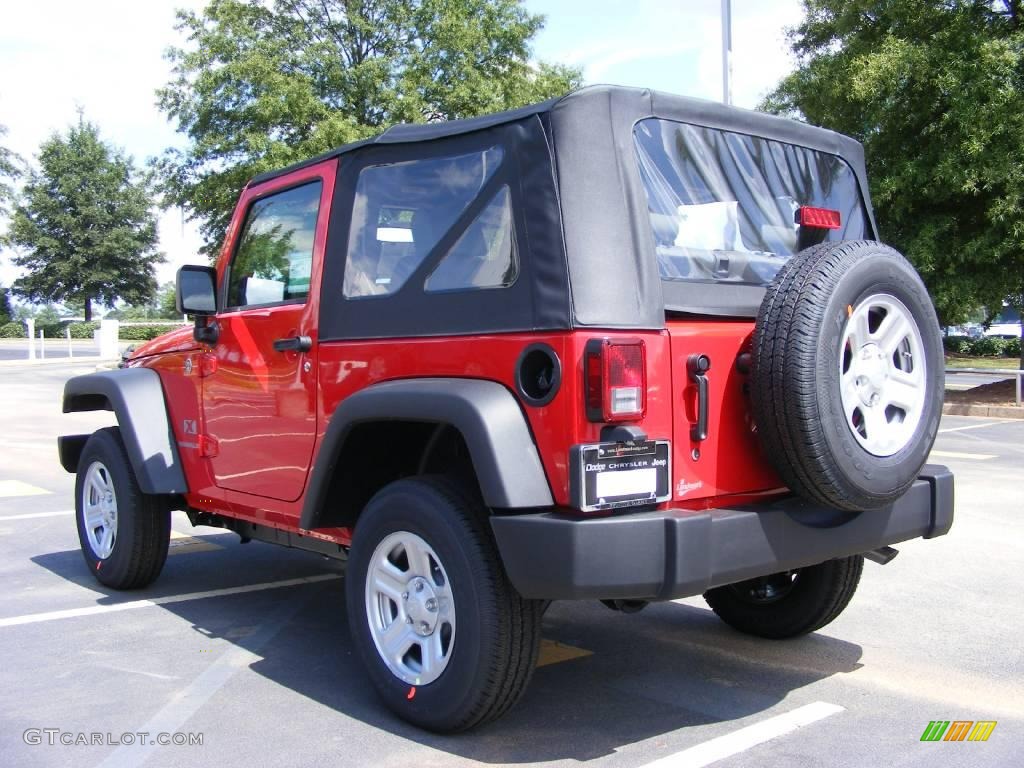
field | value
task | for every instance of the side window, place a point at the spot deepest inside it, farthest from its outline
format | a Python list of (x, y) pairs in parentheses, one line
[(274, 257), (401, 212), (483, 257)]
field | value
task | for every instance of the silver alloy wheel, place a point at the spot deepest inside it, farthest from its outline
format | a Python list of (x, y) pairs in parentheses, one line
[(99, 510), (883, 378), (410, 608)]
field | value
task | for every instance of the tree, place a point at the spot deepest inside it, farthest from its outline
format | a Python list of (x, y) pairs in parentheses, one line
[(261, 85), (166, 302), (85, 227), (935, 91), (160, 307), (6, 312), (10, 170)]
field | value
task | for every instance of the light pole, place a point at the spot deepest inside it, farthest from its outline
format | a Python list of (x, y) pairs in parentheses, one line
[(727, 51)]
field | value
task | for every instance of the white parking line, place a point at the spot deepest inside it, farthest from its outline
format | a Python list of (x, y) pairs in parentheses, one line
[(34, 618), (959, 455), (976, 426), (740, 741), (34, 515), (185, 703), (9, 488)]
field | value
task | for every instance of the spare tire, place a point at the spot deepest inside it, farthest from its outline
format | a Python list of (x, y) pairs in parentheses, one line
[(847, 374)]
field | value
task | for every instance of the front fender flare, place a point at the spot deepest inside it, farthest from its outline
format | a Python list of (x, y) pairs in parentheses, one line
[(486, 414), (136, 397)]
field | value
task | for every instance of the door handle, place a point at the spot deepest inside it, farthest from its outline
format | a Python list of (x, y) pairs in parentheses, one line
[(293, 344), (697, 367)]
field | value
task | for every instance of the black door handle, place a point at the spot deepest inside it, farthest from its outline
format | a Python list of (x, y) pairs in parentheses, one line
[(293, 344), (697, 366)]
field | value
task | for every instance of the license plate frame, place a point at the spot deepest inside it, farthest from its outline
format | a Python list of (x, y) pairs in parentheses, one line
[(617, 475)]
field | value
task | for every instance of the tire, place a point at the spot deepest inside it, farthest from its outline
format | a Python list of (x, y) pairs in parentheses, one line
[(791, 603), (847, 374), (484, 636), (123, 532)]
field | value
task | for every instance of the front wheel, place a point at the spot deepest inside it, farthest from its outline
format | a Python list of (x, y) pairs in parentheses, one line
[(790, 603), (447, 641), (123, 532)]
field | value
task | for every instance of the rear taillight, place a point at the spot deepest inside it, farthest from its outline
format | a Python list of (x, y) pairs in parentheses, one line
[(818, 218), (615, 373)]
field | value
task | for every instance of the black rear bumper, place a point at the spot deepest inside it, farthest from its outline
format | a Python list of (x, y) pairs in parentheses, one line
[(677, 553)]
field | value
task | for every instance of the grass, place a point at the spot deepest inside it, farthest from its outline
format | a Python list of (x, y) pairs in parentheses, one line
[(959, 361)]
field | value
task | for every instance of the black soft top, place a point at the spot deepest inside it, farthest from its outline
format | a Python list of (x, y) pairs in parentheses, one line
[(591, 230), (409, 133)]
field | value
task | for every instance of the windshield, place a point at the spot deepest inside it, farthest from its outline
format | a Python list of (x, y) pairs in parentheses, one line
[(723, 206)]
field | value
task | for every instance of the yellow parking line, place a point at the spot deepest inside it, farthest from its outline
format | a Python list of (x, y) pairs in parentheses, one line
[(18, 488), (553, 652), (182, 543)]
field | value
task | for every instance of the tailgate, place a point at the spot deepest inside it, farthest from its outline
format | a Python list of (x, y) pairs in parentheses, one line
[(729, 460)]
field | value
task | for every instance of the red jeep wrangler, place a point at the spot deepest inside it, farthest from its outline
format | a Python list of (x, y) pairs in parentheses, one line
[(620, 345)]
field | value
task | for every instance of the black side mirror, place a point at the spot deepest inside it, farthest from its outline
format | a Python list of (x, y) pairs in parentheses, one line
[(196, 295), (196, 290)]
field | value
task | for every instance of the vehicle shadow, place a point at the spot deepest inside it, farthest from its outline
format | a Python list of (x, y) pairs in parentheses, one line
[(671, 667)]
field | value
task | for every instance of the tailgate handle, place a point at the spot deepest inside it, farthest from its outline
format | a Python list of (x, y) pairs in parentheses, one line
[(293, 344), (697, 367)]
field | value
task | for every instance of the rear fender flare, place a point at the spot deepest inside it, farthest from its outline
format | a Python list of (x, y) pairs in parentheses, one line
[(486, 414)]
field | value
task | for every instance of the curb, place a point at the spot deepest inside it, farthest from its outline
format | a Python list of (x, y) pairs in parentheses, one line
[(84, 359), (988, 411)]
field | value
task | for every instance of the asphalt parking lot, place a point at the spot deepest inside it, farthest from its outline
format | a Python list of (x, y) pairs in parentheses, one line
[(247, 646)]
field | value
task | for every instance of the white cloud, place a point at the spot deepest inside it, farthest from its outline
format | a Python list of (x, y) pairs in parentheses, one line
[(599, 67), (105, 57), (673, 45), (179, 241), (761, 56)]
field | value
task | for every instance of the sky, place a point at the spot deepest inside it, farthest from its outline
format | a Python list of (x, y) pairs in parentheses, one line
[(107, 58)]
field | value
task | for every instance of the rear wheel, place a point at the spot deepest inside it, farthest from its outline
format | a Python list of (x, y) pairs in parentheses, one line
[(123, 532), (447, 641), (789, 603)]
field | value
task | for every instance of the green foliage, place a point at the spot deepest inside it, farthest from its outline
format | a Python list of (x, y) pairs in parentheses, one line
[(82, 330), (960, 345), (261, 84), (6, 313), (986, 346), (165, 302), (935, 91), (160, 307), (10, 170), (143, 332), (47, 319), (1012, 347), (84, 228), (12, 331), (125, 332)]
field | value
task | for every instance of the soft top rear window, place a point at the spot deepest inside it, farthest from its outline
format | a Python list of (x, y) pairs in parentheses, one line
[(724, 206)]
